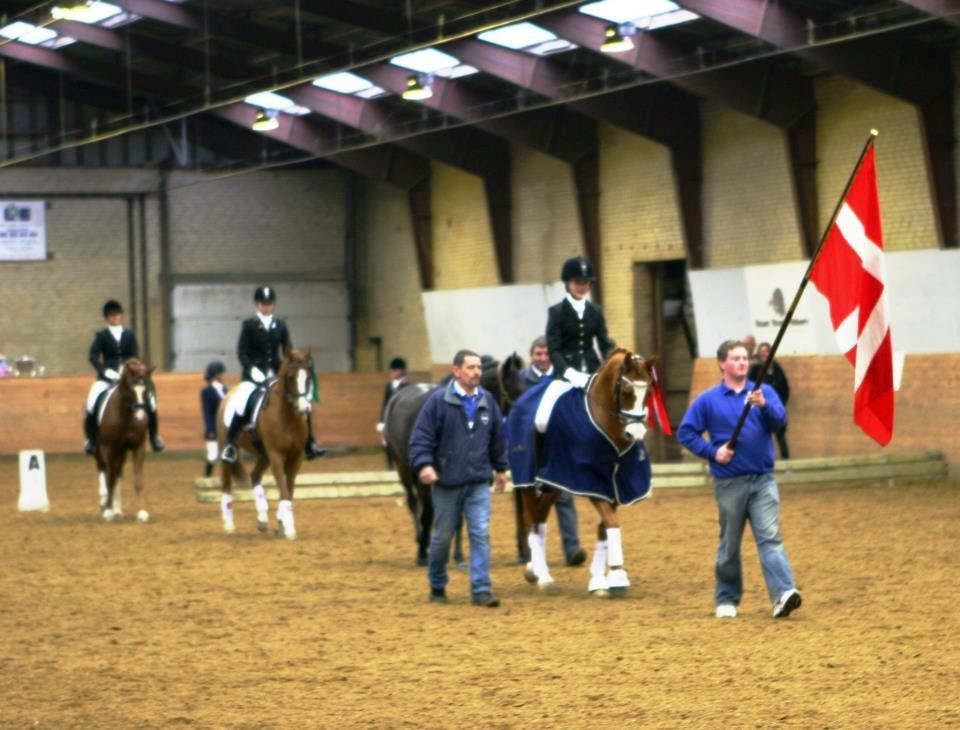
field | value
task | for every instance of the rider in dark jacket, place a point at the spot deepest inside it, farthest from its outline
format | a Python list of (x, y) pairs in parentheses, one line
[(574, 324)]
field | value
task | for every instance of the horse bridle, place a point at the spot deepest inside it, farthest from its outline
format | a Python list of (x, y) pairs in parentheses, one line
[(294, 396), (623, 416)]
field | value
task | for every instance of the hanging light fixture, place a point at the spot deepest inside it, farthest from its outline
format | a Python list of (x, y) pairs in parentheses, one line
[(265, 121), (418, 87), (617, 38), (70, 10)]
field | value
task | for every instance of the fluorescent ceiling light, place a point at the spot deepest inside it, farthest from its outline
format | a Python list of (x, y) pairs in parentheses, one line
[(343, 82), (26, 33), (648, 14), (372, 92), (271, 100), (457, 71), (517, 35), (59, 42), (118, 20), (93, 12), (427, 60), (558, 45)]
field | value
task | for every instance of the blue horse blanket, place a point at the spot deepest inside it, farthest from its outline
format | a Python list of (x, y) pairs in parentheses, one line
[(577, 456)]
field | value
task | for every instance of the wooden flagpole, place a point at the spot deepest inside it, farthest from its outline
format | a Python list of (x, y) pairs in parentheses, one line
[(803, 285)]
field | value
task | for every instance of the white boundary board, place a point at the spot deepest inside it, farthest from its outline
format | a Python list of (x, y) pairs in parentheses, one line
[(495, 320), (922, 290)]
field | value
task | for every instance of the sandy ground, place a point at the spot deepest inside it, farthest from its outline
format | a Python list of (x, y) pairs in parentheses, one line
[(172, 624)]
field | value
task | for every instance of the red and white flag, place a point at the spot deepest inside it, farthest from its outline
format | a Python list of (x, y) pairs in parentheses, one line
[(850, 272)]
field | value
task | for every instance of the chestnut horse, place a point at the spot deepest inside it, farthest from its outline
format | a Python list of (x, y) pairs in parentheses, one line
[(589, 443), (123, 428), (277, 440)]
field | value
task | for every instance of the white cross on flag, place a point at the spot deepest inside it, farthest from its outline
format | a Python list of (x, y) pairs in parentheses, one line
[(851, 274)]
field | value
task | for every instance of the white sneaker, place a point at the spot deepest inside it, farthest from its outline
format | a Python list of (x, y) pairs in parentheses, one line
[(726, 610), (788, 601)]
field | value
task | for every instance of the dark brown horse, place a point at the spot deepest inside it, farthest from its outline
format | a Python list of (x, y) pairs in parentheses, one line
[(123, 429), (614, 401), (277, 441)]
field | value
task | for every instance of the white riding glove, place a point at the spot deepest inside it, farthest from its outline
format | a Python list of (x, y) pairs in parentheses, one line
[(112, 374), (380, 427), (256, 374), (578, 378)]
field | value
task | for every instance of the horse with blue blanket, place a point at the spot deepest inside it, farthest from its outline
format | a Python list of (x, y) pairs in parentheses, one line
[(587, 441)]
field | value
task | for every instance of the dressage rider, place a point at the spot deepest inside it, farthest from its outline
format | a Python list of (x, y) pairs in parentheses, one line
[(262, 338), (111, 346), (574, 324)]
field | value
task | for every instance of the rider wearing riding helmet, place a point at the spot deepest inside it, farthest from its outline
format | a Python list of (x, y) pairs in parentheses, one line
[(263, 340), (111, 346), (574, 324)]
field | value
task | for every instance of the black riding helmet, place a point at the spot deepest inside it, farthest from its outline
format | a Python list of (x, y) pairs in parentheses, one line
[(265, 294), (398, 363), (577, 268), (112, 306), (214, 369)]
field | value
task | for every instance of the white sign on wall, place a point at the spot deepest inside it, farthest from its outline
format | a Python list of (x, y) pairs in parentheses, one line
[(23, 235)]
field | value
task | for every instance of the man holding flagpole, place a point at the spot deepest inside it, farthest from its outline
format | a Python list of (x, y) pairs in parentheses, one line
[(744, 486)]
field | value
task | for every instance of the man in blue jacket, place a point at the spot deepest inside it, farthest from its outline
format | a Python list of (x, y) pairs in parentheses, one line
[(456, 445), (743, 478)]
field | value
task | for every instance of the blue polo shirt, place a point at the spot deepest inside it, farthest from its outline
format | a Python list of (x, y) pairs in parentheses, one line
[(716, 411)]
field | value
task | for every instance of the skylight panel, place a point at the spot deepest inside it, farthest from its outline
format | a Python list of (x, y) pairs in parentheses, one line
[(426, 60), (59, 42), (94, 12), (118, 20), (558, 45), (648, 14), (272, 100), (457, 71), (517, 36), (372, 92), (343, 82), (27, 33)]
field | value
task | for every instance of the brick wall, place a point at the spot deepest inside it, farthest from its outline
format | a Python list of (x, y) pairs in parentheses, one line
[(821, 405), (847, 113)]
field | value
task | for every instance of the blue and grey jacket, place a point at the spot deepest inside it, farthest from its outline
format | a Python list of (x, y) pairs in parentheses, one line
[(460, 455)]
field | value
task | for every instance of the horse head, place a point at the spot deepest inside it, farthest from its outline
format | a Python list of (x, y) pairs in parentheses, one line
[(136, 385), (619, 390), (294, 377), (504, 381)]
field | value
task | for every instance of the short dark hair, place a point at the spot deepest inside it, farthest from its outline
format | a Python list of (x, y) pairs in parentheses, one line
[(463, 355), (725, 348), (541, 341)]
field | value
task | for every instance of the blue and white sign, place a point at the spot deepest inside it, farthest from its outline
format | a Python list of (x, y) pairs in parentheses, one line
[(23, 233)]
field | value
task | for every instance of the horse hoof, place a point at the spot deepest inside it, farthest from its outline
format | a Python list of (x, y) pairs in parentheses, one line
[(600, 593), (529, 575), (548, 586), (618, 592), (143, 516), (229, 529), (261, 525), (109, 515), (292, 535)]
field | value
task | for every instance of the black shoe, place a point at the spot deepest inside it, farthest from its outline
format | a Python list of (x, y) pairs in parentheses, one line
[(89, 447), (438, 595), (313, 451), (156, 443), (485, 599), (788, 602), (577, 558), (229, 454)]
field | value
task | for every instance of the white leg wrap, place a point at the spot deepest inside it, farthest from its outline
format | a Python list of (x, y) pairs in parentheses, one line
[(212, 451), (599, 564), (538, 560), (117, 502), (618, 578), (102, 490), (285, 517), (542, 534), (614, 548), (226, 511), (260, 499)]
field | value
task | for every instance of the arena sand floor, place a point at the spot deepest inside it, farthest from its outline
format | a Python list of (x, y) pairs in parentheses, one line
[(171, 624)]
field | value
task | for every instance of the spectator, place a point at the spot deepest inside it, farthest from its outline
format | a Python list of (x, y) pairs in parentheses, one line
[(210, 398), (457, 443), (776, 379), (398, 380), (744, 486), (539, 371), (750, 342)]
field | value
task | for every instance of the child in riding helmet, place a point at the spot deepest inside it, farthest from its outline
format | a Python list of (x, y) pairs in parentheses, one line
[(111, 346), (263, 340), (210, 398)]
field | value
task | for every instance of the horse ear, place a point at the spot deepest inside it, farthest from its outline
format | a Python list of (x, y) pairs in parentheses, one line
[(308, 355)]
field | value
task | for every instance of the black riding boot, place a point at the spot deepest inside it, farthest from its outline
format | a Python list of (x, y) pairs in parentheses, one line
[(229, 453), (208, 469), (312, 449), (90, 430), (155, 441)]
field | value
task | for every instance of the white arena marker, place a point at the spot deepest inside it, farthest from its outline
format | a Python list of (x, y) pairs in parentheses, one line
[(33, 483)]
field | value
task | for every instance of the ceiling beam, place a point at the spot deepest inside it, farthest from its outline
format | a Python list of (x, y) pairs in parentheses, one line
[(777, 96)]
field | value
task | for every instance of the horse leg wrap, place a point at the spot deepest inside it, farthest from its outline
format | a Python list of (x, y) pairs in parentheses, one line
[(598, 568), (260, 499), (618, 578), (614, 548), (542, 534), (538, 559), (226, 511), (285, 517), (102, 491)]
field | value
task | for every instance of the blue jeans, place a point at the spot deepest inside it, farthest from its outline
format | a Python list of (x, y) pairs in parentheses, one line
[(567, 519), (473, 501), (754, 497)]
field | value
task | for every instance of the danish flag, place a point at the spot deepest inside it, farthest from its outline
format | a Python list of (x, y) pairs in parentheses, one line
[(851, 274)]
